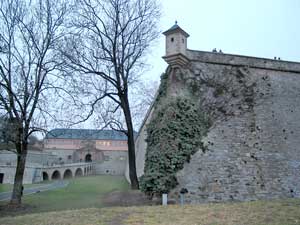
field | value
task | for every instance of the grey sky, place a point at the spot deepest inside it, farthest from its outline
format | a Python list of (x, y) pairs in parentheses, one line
[(261, 28)]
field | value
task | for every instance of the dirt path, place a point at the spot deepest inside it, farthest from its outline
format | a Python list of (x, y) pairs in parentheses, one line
[(127, 198), (119, 219)]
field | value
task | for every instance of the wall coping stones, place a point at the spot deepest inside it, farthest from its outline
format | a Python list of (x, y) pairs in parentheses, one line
[(240, 60)]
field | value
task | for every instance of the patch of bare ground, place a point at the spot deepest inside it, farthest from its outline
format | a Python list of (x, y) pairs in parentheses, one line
[(119, 219), (128, 198), (13, 210)]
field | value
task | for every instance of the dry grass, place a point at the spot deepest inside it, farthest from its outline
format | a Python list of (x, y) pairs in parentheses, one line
[(284, 212)]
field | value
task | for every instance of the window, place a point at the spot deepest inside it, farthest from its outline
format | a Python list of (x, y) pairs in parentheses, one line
[(69, 157), (172, 39), (182, 40), (106, 158), (1, 178)]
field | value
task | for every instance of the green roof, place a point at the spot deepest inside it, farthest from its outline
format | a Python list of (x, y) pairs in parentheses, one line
[(175, 28), (86, 134)]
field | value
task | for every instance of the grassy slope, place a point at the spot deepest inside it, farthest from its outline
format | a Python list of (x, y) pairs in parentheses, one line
[(82, 192), (284, 212)]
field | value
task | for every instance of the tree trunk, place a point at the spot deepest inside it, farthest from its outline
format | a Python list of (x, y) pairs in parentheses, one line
[(131, 147), (16, 198)]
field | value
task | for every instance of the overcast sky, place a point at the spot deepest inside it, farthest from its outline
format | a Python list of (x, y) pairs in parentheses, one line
[(261, 28)]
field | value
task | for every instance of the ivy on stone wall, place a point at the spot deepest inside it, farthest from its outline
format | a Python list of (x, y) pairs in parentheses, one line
[(162, 90), (174, 134)]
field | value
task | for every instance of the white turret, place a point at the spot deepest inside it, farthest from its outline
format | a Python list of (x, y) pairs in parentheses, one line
[(176, 45)]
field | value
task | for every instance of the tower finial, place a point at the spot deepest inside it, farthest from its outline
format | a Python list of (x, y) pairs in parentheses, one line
[(176, 22)]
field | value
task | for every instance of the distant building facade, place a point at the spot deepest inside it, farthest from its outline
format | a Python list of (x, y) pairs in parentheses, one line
[(107, 149), (66, 153)]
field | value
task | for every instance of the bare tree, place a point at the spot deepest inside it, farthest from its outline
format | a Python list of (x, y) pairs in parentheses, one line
[(141, 96), (109, 42), (7, 133), (29, 33)]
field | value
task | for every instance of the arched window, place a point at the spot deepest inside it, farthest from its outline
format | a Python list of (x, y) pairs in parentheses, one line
[(45, 176), (88, 158)]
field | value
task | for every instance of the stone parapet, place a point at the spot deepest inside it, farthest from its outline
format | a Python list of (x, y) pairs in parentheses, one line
[(240, 60)]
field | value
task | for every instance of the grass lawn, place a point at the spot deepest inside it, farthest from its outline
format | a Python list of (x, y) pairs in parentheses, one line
[(5, 187), (9, 187), (83, 192), (280, 212)]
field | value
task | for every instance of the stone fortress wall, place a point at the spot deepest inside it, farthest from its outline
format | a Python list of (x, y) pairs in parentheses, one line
[(253, 146), (35, 159)]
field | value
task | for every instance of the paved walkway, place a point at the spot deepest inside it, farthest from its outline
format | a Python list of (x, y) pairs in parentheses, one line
[(28, 191)]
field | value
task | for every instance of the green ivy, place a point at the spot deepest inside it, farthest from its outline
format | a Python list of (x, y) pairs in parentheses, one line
[(162, 90), (174, 134)]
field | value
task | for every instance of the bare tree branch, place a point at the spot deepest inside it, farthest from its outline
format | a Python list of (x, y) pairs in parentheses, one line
[(109, 42), (30, 32)]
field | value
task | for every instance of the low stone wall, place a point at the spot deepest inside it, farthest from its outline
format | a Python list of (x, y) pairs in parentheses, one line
[(9, 174), (42, 158), (114, 163)]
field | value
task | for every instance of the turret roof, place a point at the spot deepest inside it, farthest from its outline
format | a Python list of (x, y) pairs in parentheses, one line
[(176, 28)]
